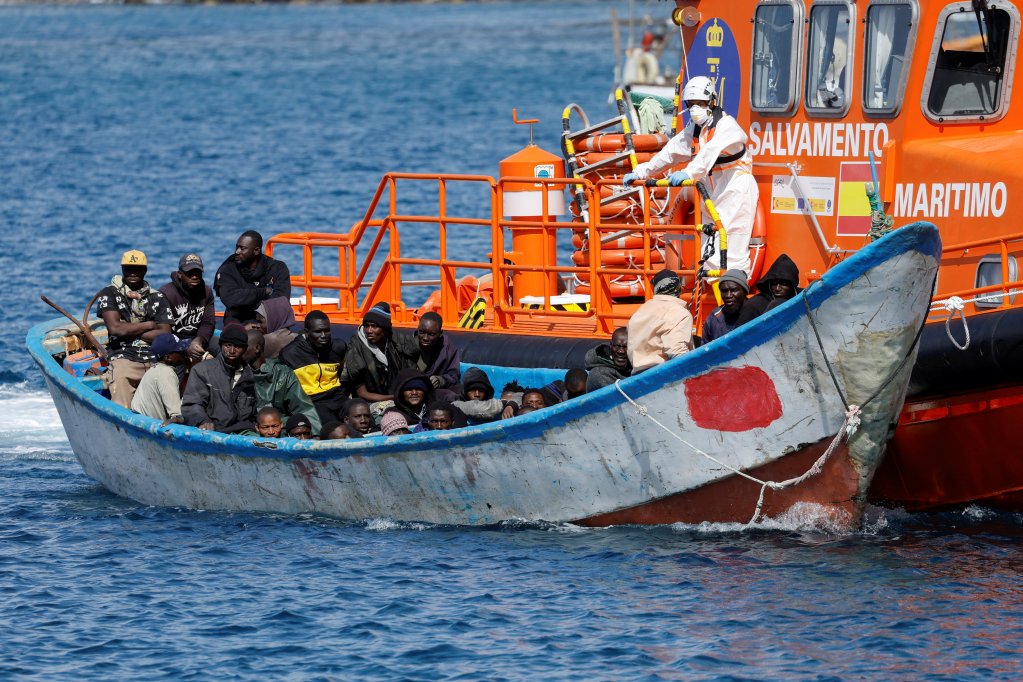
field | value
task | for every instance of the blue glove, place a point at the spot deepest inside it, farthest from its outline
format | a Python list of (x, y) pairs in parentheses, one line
[(677, 178), (629, 179)]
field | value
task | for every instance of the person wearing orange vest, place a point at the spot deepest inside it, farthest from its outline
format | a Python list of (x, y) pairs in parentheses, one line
[(722, 157)]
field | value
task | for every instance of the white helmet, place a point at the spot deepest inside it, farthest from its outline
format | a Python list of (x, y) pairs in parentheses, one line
[(698, 88)]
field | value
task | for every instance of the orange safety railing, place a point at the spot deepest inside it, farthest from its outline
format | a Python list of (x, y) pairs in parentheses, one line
[(1004, 291), (368, 273)]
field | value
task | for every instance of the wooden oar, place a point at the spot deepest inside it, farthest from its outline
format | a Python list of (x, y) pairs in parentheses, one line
[(100, 350)]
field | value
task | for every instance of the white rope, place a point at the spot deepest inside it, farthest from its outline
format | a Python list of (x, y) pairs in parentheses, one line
[(945, 302), (849, 426), (954, 305)]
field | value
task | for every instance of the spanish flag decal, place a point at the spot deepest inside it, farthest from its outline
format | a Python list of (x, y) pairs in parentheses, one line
[(853, 206)]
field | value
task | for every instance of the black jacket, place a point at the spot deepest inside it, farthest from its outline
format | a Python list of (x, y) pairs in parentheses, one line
[(362, 368), (319, 372), (783, 268), (209, 396), (246, 288), (193, 311), (412, 415), (602, 370), (476, 377)]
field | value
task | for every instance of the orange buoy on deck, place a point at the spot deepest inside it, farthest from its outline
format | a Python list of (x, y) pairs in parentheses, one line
[(533, 245)]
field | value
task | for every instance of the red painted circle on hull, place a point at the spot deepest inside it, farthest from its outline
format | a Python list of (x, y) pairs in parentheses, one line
[(733, 399)]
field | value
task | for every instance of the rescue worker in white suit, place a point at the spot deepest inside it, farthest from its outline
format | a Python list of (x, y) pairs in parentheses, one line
[(723, 158)]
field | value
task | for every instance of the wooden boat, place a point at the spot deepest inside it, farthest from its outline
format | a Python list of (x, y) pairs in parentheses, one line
[(707, 436), (913, 97)]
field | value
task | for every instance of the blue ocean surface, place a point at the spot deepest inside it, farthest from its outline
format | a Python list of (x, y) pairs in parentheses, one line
[(173, 129)]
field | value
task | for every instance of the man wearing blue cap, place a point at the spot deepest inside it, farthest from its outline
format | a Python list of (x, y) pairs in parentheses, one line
[(159, 394)]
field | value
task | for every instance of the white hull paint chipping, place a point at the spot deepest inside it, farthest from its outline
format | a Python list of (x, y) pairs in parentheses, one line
[(590, 456)]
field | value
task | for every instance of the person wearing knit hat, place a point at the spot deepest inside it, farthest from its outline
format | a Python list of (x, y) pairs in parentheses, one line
[(394, 424), (666, 282), (379, 315), (376, 355), (662, 328), (221, 392), (298, 426), (234, 334), (734, 288)]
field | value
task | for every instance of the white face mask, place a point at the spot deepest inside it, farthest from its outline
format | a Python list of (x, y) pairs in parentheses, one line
[(699, 114)]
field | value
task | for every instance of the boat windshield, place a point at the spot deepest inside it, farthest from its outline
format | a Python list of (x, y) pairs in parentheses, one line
[(969, 67)]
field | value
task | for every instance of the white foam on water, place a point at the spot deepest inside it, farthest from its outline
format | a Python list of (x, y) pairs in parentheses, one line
[(390, 524), (29, 425), (977, 513), (801, 517)]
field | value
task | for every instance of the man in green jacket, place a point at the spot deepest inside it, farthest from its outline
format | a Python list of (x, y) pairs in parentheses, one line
[(276, 383)]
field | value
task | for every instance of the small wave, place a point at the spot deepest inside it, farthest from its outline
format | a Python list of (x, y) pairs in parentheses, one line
[(30, 427), (550, 526), (390, 524), (977, 513), (7, 378), (801, 517)]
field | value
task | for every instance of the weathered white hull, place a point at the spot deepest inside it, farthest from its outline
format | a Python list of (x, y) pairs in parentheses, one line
[(760, 397)]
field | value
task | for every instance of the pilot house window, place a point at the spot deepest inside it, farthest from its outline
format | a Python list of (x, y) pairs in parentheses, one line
[(889, 36), (969, 63), (775, 56), (827, 78)]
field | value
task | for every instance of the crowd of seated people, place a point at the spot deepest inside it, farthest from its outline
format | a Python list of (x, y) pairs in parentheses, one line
[(261, 378)]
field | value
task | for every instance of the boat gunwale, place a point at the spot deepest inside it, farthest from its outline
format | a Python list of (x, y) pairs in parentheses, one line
[(758, 332)]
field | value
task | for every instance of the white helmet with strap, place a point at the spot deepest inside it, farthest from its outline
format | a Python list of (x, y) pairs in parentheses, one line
[(698, 88)]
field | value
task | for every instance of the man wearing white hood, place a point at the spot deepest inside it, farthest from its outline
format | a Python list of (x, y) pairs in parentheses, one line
[(722, 157)]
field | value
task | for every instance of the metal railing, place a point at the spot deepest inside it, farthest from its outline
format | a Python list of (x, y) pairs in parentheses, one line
[(369, 272), (998, 296)]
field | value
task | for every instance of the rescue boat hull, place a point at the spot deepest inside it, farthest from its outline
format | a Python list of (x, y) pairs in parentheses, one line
[(766, 400)]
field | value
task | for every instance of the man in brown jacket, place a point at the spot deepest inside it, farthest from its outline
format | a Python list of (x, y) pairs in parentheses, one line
[(662, 328)]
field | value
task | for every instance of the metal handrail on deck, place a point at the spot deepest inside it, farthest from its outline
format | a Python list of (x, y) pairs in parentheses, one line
[(1006, 288), (357, 291)]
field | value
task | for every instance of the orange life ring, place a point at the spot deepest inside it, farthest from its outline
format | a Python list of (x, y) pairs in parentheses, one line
[(615, 142), (632, 241), (618, 257), (590, 158), (656, 192), (621, 209), (620, 288)]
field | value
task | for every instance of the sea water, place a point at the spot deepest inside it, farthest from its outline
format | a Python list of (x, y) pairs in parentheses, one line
[(172, 129)]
